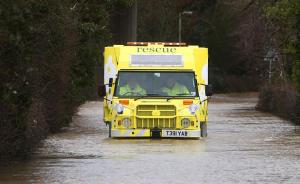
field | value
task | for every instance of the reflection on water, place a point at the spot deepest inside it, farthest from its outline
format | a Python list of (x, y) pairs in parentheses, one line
[(243, 146)]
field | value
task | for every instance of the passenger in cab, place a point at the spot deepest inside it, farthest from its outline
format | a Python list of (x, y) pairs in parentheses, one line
[(173, 88), (132, 88)]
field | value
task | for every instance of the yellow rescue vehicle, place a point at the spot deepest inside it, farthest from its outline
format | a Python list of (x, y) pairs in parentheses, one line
[(156, 90)]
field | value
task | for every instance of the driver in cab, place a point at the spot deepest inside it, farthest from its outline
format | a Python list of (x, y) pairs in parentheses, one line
[(173, 88), (132, 88)]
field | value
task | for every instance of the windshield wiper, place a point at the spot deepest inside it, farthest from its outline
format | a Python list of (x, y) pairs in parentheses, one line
[(168, 98), (178, 95), (181, 94), (153, 94), (148, 94), (138, 97)]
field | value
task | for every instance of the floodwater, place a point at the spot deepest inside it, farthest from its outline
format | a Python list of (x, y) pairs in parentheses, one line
[(243, 146)]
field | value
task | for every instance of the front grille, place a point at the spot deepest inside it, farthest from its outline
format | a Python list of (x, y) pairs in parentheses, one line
[(156, 122), (165, 119), (164, 110)]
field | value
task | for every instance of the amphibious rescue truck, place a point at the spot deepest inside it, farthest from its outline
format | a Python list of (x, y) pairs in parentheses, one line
[(156, 90)]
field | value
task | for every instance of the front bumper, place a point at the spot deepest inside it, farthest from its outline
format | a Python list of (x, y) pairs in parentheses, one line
[(165, 133)]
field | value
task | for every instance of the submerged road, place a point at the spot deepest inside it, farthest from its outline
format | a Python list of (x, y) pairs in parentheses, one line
[(243, 146)]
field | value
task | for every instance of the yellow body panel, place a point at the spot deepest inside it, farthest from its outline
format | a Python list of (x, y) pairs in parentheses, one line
[(157, 112)]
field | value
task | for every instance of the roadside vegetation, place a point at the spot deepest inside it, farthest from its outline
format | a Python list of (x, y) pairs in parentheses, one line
[(50, 57), (281, 95)]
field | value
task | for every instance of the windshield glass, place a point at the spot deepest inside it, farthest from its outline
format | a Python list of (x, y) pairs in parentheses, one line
[(156, 84)]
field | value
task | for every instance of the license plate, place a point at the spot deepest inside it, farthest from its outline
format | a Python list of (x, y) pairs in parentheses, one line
[(175, 133)]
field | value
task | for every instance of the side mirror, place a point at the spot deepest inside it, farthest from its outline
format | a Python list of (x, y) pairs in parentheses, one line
[(208, 90), (101, 90), (110, 82)]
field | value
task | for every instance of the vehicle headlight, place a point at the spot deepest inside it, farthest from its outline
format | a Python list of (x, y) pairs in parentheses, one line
[(193, 108), (119, 108), (185, 122), (126, 122)]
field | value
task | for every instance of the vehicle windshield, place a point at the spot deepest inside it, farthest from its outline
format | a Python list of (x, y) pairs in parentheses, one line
[(156, 84)]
